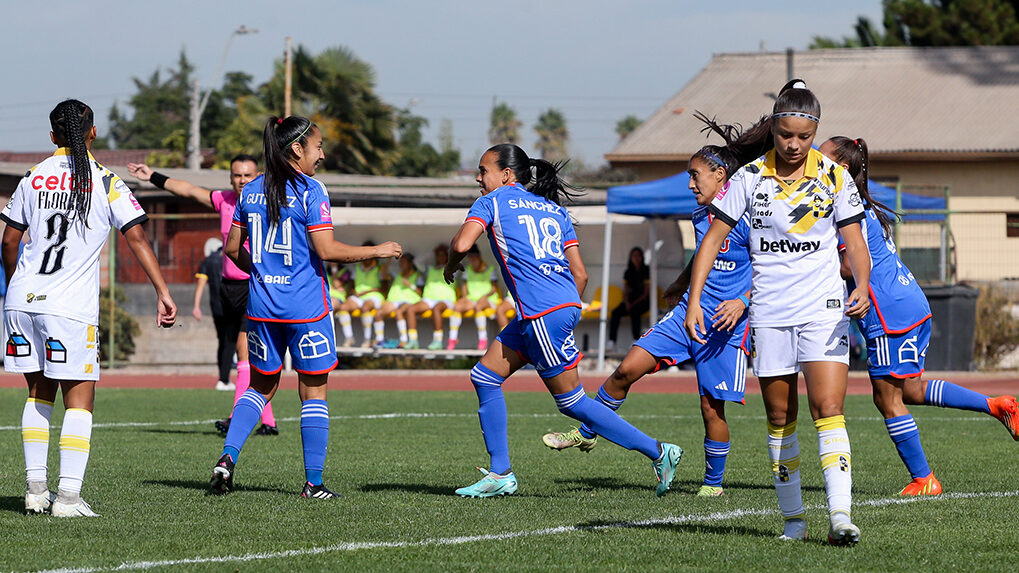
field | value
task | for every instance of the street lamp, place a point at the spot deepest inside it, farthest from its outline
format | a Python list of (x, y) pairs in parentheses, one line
[(197, 107)]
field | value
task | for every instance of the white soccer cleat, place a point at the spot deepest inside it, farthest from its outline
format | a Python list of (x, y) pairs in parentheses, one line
[(78, 509), (39, 502), (842, 531), (794, 530)]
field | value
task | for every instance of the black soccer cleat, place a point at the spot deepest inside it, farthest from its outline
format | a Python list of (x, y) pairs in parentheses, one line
[(317, 492), (267, 430), (222, 481), (222, 426)]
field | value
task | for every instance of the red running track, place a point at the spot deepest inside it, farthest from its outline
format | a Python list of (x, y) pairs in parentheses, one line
[(993, 383)]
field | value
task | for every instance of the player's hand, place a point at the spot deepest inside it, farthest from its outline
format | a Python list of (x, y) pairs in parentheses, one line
[(674, 293), (197, 313), (858, 303), (389, 249), (727, 314), (449, 272), (166, 314), (694, 323), (140, 171)]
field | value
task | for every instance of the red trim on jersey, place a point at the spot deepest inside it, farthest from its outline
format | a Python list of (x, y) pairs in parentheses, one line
[(663, 363), (238, 224), (576, 361), (905, 376), (553, 309), (571, 243), (316, 372), (320, 227), (881, 316), (264, 373), (746, 334), (288, 320), (477, 220)]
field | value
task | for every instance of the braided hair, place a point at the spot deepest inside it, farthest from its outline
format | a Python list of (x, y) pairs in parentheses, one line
[(71, 120)]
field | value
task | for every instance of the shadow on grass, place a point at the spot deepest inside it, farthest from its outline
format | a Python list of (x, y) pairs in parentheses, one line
[(14, 504), (593, 483), (203, 486), (691, 528), (443, 491), (195, 432), (694, 485)]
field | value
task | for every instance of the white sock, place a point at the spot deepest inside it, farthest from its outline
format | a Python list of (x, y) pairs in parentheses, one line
[(366, 325), (454, 325), (75, 437), (784, 451), (35, 435), (836, 463), (481, 322), (437, 335), (345, 324), (380, 330), (401, 327)]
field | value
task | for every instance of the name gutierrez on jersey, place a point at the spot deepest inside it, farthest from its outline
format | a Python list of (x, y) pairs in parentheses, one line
[(536, 205), (259, 199), (787, 246)]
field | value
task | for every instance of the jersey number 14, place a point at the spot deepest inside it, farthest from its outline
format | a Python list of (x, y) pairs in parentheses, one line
[(268, 242)]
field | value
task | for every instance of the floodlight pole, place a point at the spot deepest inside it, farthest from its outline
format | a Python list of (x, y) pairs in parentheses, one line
[(288, 76)]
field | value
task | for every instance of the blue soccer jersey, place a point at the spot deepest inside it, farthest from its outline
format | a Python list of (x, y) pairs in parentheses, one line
[(288, 280), (897, 302), (529, 235), (731, 272)]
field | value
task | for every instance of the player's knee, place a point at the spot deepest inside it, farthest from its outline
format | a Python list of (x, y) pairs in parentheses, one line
[(484, 378)]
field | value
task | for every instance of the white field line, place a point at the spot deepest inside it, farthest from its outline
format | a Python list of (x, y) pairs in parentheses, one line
[(551, 414), (398, 415), (462, 540)]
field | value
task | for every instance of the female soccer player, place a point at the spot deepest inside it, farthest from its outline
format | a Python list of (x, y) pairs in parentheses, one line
[(799, 203), (68, 204), (538, 253), (437, 296), (368, 296), (286, 213), (721, 363), (898, 329), (479, 292), (404, 293)]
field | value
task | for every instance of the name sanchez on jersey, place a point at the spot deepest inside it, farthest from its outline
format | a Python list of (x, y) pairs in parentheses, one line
[(539, 205)]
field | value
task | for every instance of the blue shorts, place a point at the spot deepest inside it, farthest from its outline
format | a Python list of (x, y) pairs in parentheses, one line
[(312, 345), (546, 342), (899, 355), (721, 365)]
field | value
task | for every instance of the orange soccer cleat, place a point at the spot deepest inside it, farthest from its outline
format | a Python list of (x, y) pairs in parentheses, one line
[(922, 486), (1004, 408)]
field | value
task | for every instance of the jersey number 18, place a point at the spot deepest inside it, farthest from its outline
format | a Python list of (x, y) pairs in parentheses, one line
[(551, 240)]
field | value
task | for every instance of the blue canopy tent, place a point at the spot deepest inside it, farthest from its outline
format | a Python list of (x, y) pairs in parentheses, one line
[(671, 198)]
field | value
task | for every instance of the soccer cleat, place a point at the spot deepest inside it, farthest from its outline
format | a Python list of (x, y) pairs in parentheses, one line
[(39, 502), (665, 467), (1005, 409), (491, 485), (317, 492), (76, 509), (348, 343), (794, 530), (223, 426), (710, 491), (842, 531), (366, 344), (922, 486), (435, 345), (267, 430), (573, 438), (410, 345), (451, 345), (482, 345), (222, 481), (225, 386)]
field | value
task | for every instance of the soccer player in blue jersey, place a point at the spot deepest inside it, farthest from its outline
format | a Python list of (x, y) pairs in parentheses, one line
[(286, 214), (721, 363), (898, 330), (536, 246)]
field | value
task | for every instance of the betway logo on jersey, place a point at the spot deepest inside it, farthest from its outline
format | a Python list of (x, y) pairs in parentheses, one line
[(787, 246)]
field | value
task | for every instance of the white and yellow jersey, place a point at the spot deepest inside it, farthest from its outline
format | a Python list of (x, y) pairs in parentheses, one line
[(793, 236), (58, 271)]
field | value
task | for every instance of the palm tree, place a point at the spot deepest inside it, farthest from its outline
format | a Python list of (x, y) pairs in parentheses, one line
[(552, 135), (504, 126), (626, 126)]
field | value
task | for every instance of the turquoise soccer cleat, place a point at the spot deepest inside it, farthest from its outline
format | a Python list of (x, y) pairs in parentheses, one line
[(491, 485), (665, 467)]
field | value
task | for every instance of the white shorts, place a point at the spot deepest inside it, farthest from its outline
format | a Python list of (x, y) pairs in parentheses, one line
[(779, 350), (432, 302), (59, 347)]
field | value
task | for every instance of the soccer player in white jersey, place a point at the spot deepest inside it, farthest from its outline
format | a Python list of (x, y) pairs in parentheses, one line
[(799, 203), (67, 204), (898, 330), (536, 247)]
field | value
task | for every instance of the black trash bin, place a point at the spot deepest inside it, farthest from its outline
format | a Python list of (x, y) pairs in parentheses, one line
[(955, 316)]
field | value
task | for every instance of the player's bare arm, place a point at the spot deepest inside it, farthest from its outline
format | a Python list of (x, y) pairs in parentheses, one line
[(711, 244), (329, 249), (577, 268), (858, 303), (166, 311), (9, 251), (176, 186), (464, 239), (728, 312), (675, 291), (234, 248)]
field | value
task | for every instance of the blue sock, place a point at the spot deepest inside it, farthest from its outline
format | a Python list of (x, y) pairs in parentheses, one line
[(715, 454), (492, 414), (314, 437), (948, 395), (247, 412), (605, 422), (610, 402), (906, 436)]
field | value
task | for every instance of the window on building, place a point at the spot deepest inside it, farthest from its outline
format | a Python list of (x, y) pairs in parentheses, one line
[(1012, 224)]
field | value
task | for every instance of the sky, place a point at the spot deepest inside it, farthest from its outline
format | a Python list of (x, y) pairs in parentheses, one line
[(595, 60)]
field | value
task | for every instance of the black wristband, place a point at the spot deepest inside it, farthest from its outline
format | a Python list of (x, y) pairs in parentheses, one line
[(158, 179)]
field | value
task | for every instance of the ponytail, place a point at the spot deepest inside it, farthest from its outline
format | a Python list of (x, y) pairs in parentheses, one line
[(278, 136), (547, 182), (70, 121), (853, 152)]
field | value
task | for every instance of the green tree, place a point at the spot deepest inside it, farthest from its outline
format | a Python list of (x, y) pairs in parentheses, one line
[(626, 126), (504, 127), (936, 23), (418, 158), (552, 135)]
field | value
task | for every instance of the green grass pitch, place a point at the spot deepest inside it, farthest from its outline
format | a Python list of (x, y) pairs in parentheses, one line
[(574, 511)]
